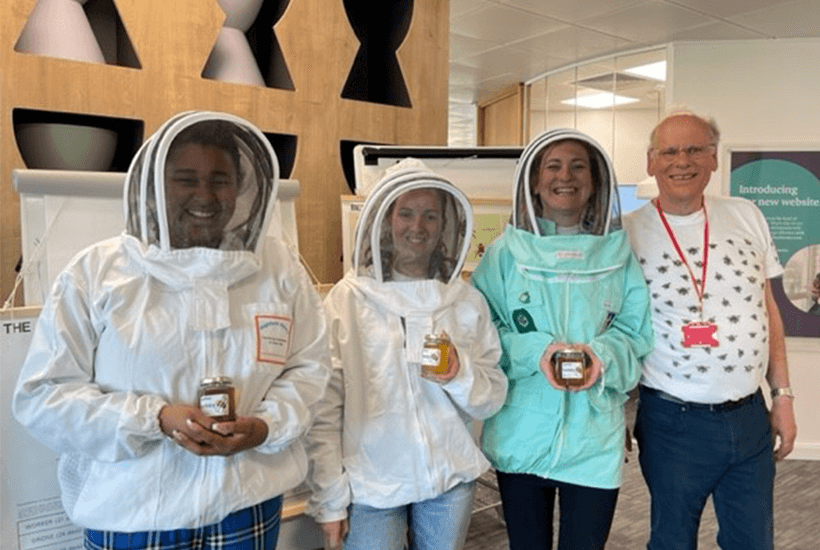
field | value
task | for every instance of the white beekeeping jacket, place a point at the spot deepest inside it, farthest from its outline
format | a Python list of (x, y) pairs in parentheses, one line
[(133, 324), (384, 436)]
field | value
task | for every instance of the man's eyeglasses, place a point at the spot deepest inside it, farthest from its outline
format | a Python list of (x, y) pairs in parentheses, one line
[(691, 151)]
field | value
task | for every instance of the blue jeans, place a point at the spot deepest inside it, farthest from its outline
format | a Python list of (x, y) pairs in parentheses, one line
[(436, 524), (528, 501), (688, 453)]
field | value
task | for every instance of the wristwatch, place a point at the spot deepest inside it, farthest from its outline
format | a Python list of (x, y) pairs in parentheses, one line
[(777, 392)]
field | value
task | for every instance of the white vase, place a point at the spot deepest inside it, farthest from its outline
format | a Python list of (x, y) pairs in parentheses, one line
[(240, 14), (60, 28), (52, 146), (232, 60)]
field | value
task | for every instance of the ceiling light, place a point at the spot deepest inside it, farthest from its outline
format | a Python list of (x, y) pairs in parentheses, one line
[(600, 100), (655, 71)]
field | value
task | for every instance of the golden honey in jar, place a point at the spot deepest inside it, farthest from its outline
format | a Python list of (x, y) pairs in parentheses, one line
[(569, 367), (434, 355), (216, 398)]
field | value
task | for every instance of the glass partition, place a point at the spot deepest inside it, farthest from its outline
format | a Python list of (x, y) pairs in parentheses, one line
[(617, 101)]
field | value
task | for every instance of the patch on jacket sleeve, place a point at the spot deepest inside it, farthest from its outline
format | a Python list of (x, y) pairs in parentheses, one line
[(272, 337), (523, 321)]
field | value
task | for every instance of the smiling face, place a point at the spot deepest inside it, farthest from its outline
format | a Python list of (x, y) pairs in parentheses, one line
[(416, 225), (200, 194), (682, 160), (565, 182), (815, 288)]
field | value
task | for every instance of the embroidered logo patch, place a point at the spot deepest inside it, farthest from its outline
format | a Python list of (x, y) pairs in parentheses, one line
[(523, 321), (273, 334)]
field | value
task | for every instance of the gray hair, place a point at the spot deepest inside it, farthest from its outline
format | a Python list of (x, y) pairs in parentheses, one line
[(681, 110)]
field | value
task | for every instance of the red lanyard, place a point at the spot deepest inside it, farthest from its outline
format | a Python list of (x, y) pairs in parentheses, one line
[(698, 290)]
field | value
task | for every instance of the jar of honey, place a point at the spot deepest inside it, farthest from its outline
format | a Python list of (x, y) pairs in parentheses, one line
[(570, 367), (435, 354), (216, 398)]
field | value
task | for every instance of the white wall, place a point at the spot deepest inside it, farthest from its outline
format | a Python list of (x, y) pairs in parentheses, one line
[(761, 92)]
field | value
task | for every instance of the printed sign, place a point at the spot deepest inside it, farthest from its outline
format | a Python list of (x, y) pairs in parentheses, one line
[(30, 507), (785, 185)]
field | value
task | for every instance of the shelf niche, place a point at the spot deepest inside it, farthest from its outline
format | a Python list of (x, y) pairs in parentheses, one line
[(246, 50), (265, 46), (67, 141), (81, 30), (349, 163), (381, 27), (285, 147)]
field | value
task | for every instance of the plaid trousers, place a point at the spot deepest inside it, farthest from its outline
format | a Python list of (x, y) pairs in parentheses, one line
[(254, 528)]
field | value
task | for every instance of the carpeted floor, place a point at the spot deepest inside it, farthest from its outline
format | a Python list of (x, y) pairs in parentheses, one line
[(797, 512), (796, 501)]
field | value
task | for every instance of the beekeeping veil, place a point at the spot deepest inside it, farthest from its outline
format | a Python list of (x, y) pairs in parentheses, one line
[(145, 205), (603, 212), (374, 254)]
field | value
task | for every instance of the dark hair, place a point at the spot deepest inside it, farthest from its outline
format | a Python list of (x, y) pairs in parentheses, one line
[(209, 133)]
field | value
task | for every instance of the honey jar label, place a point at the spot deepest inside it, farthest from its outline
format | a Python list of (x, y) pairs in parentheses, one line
[(215, 404), (273, 334), (572, 370), (430, 357), (434, 357)]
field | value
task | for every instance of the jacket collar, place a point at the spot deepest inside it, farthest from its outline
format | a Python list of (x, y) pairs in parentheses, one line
[(208, 272)]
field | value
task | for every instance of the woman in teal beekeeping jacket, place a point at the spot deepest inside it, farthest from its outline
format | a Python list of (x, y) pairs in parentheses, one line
[(562, 277)]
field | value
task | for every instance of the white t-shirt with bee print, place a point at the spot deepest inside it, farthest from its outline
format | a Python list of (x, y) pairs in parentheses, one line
[(742, 256)]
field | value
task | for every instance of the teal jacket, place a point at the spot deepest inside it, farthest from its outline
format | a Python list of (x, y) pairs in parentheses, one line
[(582, 288)]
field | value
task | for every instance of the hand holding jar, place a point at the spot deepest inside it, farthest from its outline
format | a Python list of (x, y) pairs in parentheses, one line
[(206, 435), (565, 358)]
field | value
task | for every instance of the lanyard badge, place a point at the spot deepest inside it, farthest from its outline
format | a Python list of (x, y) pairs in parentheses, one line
[(696, 333)]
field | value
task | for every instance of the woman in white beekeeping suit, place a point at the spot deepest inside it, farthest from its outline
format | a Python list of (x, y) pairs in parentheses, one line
[(392, 455), (174, 366)]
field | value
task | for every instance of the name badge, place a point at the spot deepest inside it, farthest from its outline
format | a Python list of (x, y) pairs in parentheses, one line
[(273, 335), (699, 334)]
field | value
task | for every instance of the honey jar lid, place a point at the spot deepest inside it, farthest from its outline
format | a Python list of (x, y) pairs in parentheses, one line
[(216, 381)]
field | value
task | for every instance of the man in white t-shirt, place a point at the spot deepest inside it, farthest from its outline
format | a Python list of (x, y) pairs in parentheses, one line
[(702, 425)]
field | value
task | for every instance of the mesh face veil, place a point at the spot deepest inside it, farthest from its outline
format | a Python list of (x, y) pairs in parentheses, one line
[(237, 211), (602, 213), (417, 216)]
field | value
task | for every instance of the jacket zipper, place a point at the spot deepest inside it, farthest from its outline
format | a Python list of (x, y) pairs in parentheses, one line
[(413, 383)]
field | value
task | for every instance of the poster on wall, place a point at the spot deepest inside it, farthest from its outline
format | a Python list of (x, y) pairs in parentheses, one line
[(490, 217), (785, 185)]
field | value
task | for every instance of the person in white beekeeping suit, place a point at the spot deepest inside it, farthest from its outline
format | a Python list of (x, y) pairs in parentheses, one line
[(391, 450), (174, 366)]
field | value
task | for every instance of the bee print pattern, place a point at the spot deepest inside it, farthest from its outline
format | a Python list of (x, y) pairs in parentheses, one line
[(736, 283)]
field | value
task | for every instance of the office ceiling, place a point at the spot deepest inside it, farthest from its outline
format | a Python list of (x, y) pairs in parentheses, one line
[(497, 43)]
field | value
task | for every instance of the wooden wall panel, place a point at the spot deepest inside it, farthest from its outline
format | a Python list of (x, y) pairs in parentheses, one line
[(500, 118), (173, 38)]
